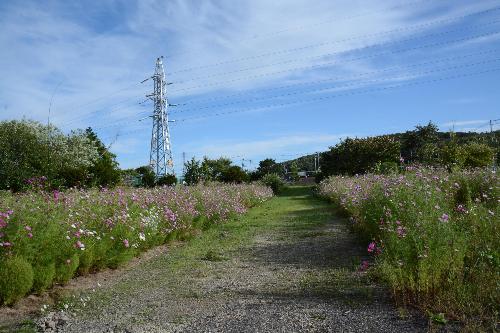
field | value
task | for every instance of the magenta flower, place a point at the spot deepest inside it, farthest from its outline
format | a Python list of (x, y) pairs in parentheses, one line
[(371, 247), (401, 231), (30, 235), (364, 265), (125, 243)]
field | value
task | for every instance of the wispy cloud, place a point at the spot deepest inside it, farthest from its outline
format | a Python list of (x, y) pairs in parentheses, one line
[(269, 147)]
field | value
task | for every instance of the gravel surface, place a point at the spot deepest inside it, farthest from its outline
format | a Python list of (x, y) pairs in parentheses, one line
[(295, 277)]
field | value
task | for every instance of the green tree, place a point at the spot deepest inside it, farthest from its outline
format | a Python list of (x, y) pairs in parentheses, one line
[(357, 156), (477, 155), (268, 166), (192, 172), (29, 149), (168, 180), (234, 174), (147, 176), (104, 171)]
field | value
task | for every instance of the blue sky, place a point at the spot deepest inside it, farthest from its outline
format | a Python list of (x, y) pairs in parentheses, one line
[(253, 79)]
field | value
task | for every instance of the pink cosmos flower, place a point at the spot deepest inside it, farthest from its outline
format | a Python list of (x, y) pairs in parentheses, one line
[(27, 228), (444, 218), (371, 247), (364, 265), (401, 231), (125, 243), (30, 235), (79, 245)]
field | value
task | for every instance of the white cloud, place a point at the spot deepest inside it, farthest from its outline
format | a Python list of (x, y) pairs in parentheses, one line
[(463, 123), (269, 147)]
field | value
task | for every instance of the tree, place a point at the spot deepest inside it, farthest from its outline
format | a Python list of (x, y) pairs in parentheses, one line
[(104, 171), (168, 180), (420, 145), (477, 155), (29, 149), (234, 174), (268, 166), (357, 156), (147, 176), (214, 169), (193, 172)]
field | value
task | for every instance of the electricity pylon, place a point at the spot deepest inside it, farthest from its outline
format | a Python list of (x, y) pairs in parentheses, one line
[(160, 156)]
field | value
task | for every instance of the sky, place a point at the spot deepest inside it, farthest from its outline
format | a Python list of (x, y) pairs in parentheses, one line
[(251, 78)]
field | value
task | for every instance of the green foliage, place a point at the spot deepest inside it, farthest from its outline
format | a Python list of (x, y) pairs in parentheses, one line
[(147, 176), (274, 181), (193, 173), (168, 180), (234, 174), (420, 144), (66, 269), (31, 150), (268, 166), (104, 170), (219, 170), (59, 234), (357, 156), (43, 275), (477, 155), (16, 279), (434, 235)]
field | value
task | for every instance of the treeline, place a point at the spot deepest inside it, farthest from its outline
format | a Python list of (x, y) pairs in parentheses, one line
[(387, 153)]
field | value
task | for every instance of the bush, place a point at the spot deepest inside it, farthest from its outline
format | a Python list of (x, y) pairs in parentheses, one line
[(274, 182), (477, 155), (43, 275), (16, 279), (66, 269), (168, 180)]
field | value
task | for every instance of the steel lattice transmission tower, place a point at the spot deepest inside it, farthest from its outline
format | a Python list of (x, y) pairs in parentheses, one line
[(160, 157)]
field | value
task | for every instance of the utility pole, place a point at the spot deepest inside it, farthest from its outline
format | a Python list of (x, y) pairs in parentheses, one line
[(183, 162), (160, 156)]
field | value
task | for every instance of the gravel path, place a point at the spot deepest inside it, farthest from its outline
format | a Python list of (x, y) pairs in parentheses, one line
[(298, 274)]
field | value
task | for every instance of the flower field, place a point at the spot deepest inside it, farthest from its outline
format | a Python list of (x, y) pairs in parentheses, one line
[(434, 236), (49, 237)]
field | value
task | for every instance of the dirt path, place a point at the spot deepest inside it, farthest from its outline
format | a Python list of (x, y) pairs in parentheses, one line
[(287, 266)]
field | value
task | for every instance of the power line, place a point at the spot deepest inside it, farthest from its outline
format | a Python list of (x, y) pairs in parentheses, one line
[(351, 92), (335, 62), (110, 108), (194, 101), (358, 75), (339, 95), (401, 29), (338, 52), (467, 65), (275, 33), (73, 107)]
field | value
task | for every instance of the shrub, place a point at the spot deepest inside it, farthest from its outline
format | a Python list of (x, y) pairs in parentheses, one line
[(168, 180), (66, 269), (477, 155), (43, 276), (16, 279), (274, 182)]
